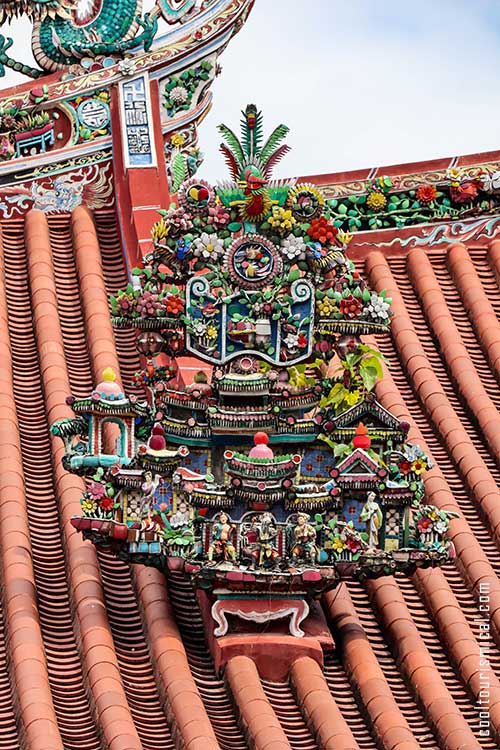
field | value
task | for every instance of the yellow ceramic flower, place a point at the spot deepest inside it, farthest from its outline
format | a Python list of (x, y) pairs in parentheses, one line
[(282, 220), (376, 202), (338, 545), (418, 466), (211, 332), (177, 140), (88, 506), (326, 307)]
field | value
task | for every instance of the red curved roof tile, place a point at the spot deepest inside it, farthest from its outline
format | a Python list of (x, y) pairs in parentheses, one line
[(101, 655)]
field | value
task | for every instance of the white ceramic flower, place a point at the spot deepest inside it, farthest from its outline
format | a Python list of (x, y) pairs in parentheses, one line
[(291, 340), (179, 95), (491, 182), (441, 527), (378, 308), (127, 66), (293, 247), (208, 246), (198, 328)]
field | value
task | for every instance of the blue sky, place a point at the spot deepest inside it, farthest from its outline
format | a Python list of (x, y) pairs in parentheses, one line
[(361, 83)]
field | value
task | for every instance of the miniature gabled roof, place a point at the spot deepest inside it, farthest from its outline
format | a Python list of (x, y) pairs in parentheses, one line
[(373, 415)]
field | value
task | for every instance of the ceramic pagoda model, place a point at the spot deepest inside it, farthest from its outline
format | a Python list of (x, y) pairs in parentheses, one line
[(275, 472)]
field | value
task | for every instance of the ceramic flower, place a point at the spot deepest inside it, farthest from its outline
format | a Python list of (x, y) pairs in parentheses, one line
[(88, 506), (441, 526), (208, 246), (127, 66), (325, 307), (218, 215), (376, 202), (405, 467), (291, 340), (126, 303), (353, 544), (177, 140), (351, 307), (106, 504), (198, 328), (338, 545), (8, 122), (174, 305), (378, 308), (419, 466), (454, 175), (177, 220), (424, 525), (426, 194), (97, 490), (179, 95), (282, 220), (322, 231), (293, 247), (212, 331)]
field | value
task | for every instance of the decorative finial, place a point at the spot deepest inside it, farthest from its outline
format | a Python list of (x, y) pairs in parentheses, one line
[(361, 438), (109, 375), (261, 448)]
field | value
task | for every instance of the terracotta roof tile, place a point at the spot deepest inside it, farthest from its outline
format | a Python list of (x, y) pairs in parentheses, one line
[(408, 649)]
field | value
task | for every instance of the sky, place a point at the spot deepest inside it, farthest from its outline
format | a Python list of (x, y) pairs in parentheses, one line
[(361, 83)]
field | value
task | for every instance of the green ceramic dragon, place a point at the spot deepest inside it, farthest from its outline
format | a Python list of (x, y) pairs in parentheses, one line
[(65, 31)]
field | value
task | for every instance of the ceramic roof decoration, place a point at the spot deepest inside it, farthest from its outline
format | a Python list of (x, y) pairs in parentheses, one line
[(248, 462), (251, 280)]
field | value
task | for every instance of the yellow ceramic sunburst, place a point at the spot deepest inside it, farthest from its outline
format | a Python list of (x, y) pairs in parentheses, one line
[(309, 193)]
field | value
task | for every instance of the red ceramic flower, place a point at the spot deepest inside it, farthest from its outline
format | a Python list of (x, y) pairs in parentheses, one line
[(405, 467), (426, 194), (350, 307), (174, 305), (322, 231), (424, 525), (302, 340), (106, 503), (353, 544)]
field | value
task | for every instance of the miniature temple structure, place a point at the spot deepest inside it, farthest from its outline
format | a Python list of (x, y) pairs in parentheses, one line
[(275, 473), (217, 527)]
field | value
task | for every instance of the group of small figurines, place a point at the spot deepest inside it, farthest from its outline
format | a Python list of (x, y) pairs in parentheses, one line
[(260, 532)]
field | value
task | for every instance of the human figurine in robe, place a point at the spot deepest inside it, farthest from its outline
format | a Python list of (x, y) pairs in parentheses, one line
[(371, 514)]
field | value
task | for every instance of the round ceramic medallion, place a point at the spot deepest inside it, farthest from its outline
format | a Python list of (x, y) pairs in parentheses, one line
[(196, 195), (306, 202), (253, 261), (94, 114)]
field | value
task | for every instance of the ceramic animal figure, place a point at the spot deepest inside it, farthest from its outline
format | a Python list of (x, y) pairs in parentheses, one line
[(65, 31)]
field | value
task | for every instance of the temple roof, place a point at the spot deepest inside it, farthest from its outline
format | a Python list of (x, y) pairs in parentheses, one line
[(91, 648)]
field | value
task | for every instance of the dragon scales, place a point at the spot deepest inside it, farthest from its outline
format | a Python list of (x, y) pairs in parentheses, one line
[(65, 31)]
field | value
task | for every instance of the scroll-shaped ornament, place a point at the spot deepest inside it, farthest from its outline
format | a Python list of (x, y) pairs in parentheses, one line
[(274, 323)]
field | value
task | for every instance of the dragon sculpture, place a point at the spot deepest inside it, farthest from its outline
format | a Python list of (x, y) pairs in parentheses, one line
[(65, 31)]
